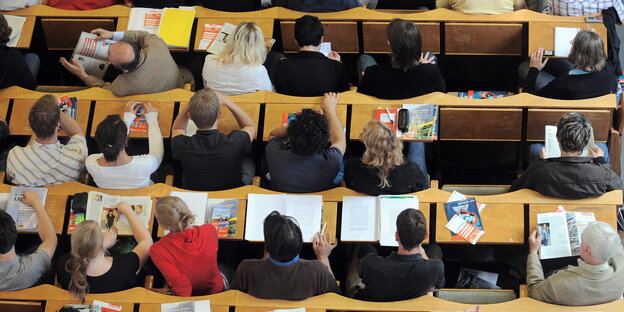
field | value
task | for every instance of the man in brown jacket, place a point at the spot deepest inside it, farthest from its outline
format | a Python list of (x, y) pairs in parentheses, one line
[(143, 58)]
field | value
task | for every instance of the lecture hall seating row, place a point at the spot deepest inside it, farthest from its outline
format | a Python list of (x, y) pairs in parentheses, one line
[(352, 31), (519, 118)]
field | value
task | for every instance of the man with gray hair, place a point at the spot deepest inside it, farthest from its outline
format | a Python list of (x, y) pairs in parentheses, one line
[(571, 176), (598, 278)]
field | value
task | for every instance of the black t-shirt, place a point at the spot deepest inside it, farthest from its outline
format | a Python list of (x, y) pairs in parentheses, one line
[(14, 71), (210, 159), (405, 178), (121, 275), (309, 73), (385, 82)]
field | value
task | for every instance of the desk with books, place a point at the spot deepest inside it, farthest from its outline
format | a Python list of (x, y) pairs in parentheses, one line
[(542, 34), (602, 212), (19, 124), (54, 205), (277, 115), (165, 117)]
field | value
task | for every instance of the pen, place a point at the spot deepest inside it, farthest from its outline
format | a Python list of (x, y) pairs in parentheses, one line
[(323, 230), (389, 116)]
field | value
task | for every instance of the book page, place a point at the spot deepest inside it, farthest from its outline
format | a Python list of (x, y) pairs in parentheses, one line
[(359, 219), (563, 40), (90, 47), (145, 19), (259, 206), (553, 229), (186, 306), (16, 23), (92, 66), (24, 215), (325, 48), (577, 222), (308, 211), (218, 44), (196, 202), (590, 144), (550, 142), (208, 36), (390, 206), (142, 207)]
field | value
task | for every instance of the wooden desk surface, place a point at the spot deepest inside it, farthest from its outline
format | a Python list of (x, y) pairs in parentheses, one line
[(55, 205), (542, 34), (227, 123), (604, 213), (19, 117), (273, 115), (105, 108), (502, 223), (265, 24)]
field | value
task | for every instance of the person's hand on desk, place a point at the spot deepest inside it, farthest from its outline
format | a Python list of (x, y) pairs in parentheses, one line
[(334, 56), (74, 67), (535, 242), (31, 198), (542, 154), (537, 59), (102, 34)]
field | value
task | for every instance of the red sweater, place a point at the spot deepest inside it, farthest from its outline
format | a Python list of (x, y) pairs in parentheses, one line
[(188, 261), (83, 4)]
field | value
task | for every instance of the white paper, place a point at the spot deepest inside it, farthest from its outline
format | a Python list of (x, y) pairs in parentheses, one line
[(24, 215), (92, 54), (219, 42), (259, 206), (186, 306), (16, 23), (145, 19), (308, 211), (359, 219), (196, 203), (390, 207), (563, 40), (325, 48), (552, 144), (553, 229), (4, 200), (110, 307)]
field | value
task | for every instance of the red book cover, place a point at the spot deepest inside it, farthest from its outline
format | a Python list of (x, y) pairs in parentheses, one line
[(381, 114)]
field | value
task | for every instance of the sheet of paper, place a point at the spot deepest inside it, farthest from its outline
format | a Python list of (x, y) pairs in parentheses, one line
[(325, 48), (577, 222), (308, 211), (359, 219), (186, 306), (196, 203), (550, 142), (563, 40), (390, 206), (145, 19), (553, 228), (16, 23), (258, 207)]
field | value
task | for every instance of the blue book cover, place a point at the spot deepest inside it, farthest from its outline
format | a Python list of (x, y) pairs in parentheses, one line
[(467, 209)]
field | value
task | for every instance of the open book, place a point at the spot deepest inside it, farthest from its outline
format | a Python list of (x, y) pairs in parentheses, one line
[(173, 25), (561, 233), (306, 209), (16, 23), (552, 144), (92, 54), (24, 215), (221, 213), (102, 209), (368, 218)]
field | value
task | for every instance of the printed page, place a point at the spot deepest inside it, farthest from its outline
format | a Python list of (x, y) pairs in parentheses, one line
[(390, 206), (591, 143), (218, 44), (223, 215), (95, 205), (142, 207), (359, 219), (551, 143), (577, 222), (90, 47), (92, 66), (563, 40), (145, 19), (325, 48), (208, 36), (24, 215), (16, 23), (196, 203), (308, 211), (421, 121), (553, 229), (259, 206)]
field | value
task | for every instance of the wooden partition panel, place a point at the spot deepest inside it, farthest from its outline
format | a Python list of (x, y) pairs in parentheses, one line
[(19, 117), (480, 124), (483, 38), (604, 213), (105, 108), (542, 34), (376, 41), (21, 306), (538, 118), (63, 34), (4, 108), (265, 24), (274, 115), (342, 35), (227, 123)]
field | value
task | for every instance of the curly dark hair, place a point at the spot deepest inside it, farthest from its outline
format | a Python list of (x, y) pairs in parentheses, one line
[(5, 31), (308, 133)]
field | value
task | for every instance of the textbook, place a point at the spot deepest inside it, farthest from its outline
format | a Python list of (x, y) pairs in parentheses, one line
[(24, 215), (563, 40), (68, 106), (172, 25), (221, 213), (471, 94), (369, 218), (551, 144), (102, 209), (423, 122), (17, 24), (561, 232), (186, 306), (92, 54), (464, 220), (306, 209)]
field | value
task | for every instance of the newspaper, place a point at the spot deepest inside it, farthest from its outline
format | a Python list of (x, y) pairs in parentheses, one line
[(552, 144), (560, 233), (103, 209), (24, 215), (92, 54)]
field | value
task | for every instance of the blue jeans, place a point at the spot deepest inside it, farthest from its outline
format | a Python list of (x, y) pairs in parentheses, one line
[(536, 148), (416, 154), (553, 69), (33, 62)]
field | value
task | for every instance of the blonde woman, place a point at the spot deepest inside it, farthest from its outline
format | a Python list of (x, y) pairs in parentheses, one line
[(382, 169), (88, 268), (238, 68), (187, 256)]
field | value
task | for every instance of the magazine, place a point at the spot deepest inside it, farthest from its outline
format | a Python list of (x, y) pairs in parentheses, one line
[(551, 144), (476, 279), (145, 19), (389, 116), (92, 54), (223, 216), (102, 209), (106, 307), (423, 119), (186, 306), (464, 220), (560, 233), (68, 105), (17, 24), (214, 44), (24, 215)]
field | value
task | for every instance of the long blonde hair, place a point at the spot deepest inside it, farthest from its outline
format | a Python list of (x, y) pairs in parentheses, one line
[(173, 213), (87, 242), (244, 46), (384, 150)]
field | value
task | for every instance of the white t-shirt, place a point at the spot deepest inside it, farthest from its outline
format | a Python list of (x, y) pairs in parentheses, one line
[(233, 79)]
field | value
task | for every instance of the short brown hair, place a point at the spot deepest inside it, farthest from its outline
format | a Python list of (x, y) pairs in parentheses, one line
[(5, 31), (204, 108), (405, 42), (44, 116), (587, 52), (412, 227)]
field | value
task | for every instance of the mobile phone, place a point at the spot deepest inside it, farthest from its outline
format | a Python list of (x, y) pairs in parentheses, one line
[(593, 19), (549, 52), (140, 110)]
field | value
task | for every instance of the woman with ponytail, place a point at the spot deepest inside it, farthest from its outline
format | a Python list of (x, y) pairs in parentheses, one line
[(187, 256), (89, 269), (114, 168), (382, 169)]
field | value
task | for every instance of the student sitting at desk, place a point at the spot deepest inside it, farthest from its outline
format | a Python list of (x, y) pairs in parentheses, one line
[(19, 272), (382, 169), (482, 6), (281, 274), (580, 7), (238, 68), (88, 268), (16, 69), (187, 255), (300, 157), (113, 168)]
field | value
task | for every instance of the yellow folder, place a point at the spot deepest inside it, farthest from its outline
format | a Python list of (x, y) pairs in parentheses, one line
[(176, 26)]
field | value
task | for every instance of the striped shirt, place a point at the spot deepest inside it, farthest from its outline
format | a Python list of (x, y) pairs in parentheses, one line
[(582, 7), (47, 164)]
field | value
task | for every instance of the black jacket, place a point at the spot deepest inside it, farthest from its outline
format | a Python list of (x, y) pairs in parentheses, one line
[(309, 73), (405, 178)]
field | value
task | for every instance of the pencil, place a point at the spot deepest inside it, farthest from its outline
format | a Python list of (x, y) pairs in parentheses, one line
[(389, 116), (323, 230)]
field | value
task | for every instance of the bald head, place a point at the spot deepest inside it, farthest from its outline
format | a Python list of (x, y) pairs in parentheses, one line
[(124, 55)]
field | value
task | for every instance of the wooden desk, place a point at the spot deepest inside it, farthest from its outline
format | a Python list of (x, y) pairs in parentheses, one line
[(342, 35), (542, 34), (265, 24), (604, 213), (375, 40), (19, 124), (538, 118), (273, 115), (105, 108), (502, 223), (227, 123), (55, 205), (4, 108), (27, 31), (483, 38)]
